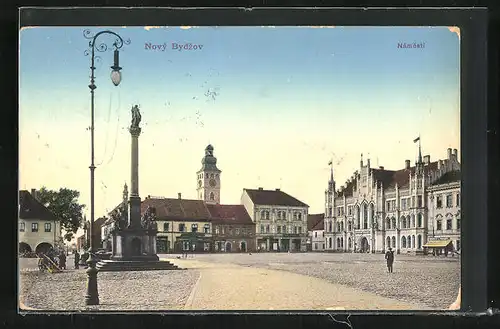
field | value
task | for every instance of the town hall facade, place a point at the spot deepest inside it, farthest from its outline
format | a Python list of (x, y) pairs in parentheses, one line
[(378, 208)]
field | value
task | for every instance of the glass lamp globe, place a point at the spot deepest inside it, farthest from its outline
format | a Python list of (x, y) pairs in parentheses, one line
[(116, 77)]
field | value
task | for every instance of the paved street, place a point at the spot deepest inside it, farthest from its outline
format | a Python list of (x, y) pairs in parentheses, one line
[(428, 281), (258, 281)]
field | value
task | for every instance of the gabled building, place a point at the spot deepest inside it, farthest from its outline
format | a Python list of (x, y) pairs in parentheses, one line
[(39, 229), (280, 219), (232, 228), (316, 231), (182, 223), (379, 208)]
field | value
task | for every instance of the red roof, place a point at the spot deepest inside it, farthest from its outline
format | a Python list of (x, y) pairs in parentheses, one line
[(177, 209), (31, 208), (273, 198), (313, 220), (229, 214)]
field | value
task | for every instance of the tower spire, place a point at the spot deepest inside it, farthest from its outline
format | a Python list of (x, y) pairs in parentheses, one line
[(419, 150)]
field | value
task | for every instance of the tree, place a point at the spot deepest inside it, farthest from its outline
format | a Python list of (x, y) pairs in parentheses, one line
[(64, 205)]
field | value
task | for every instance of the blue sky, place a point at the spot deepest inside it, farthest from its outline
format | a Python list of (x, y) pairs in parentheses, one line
[(281, 93)]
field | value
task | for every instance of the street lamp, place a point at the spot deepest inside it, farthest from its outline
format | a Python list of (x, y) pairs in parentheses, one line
[(92, 296)]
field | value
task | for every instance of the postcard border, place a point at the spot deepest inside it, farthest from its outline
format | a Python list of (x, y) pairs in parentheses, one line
[(473, 90)]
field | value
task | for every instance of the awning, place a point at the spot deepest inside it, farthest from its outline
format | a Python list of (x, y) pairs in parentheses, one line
[(438, 244)]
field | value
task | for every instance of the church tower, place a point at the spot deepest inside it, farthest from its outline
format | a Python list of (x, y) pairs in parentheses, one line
[(208, 178)]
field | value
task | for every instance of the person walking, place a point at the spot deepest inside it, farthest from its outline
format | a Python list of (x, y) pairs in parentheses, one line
[(389, 256), (77, 260), (62, 260)]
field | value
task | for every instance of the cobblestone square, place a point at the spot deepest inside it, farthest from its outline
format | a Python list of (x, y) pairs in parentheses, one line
[(264, 281)]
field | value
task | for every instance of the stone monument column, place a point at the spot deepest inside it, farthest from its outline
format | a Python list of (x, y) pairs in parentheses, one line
[(135, 199)]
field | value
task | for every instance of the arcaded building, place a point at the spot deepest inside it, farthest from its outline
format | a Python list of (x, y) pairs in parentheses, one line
[(379, 208)]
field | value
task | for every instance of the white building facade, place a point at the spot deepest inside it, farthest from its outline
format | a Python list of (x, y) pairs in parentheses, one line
[(39, 230), (444, 209), (280, 219), (378, 208)]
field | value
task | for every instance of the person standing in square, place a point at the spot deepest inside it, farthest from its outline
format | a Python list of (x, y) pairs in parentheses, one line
[(389, 256)]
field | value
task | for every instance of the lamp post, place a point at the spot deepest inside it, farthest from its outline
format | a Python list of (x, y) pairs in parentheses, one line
[(92, 296)]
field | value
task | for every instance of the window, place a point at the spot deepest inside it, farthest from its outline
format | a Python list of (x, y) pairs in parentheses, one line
[(206, 228), (211, 175), (237, 230), (387, 223), (330, 227), (315, 234), (402, 222), (278, 229), (295, 230), (419, 220), (194, 228), (48, 227), (297, 216), (212, 196), (330, 212), (393, 205), (394, 225), (217, 230), (165, 227), (264, 215), (403, 204), (22, 227), (412, 201), (284, 228), (349, 210), (323, 246), (457, 202), (230, 231), (458, 223), (438, 225), (316, 246), (388, 205), (34, 227), (182, 227), (403, 242), (449, 201), (439, 202), (419, 201), (448, 224), (267, 229), (412, 221), (349, 226), (262, 229), (281, 215)]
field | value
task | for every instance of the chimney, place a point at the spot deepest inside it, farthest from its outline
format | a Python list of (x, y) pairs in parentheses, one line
[(179, 195), (427, 159), (381, 167), (260, 189), (449, 153), (407, 164), (368, 163), (455, 154), (278, 189)]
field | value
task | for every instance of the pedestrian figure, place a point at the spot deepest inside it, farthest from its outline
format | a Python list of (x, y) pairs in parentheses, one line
[(389, 256), (62, 260), (77, 260)]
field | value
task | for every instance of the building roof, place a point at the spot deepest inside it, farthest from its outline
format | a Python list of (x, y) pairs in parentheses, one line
[(273, 198), (177, 209), (229, 214), (449, 177), (389, 178), (31, 208), (313, 220)]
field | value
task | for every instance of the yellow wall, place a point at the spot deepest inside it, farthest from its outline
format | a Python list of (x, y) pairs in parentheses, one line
[(174, 232)]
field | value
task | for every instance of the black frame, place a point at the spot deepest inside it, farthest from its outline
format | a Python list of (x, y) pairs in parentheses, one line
[(474, 133)]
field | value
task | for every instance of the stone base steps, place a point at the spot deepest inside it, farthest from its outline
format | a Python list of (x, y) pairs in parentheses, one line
[(116, 266)]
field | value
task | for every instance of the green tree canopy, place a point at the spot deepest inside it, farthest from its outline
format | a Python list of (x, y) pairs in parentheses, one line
[(64, 205)]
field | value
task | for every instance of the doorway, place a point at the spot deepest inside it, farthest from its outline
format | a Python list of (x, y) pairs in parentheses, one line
[(364, 245), (243, 246), (228, 246)]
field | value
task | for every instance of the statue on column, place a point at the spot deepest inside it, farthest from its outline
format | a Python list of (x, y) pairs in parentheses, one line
[(136, 117)]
